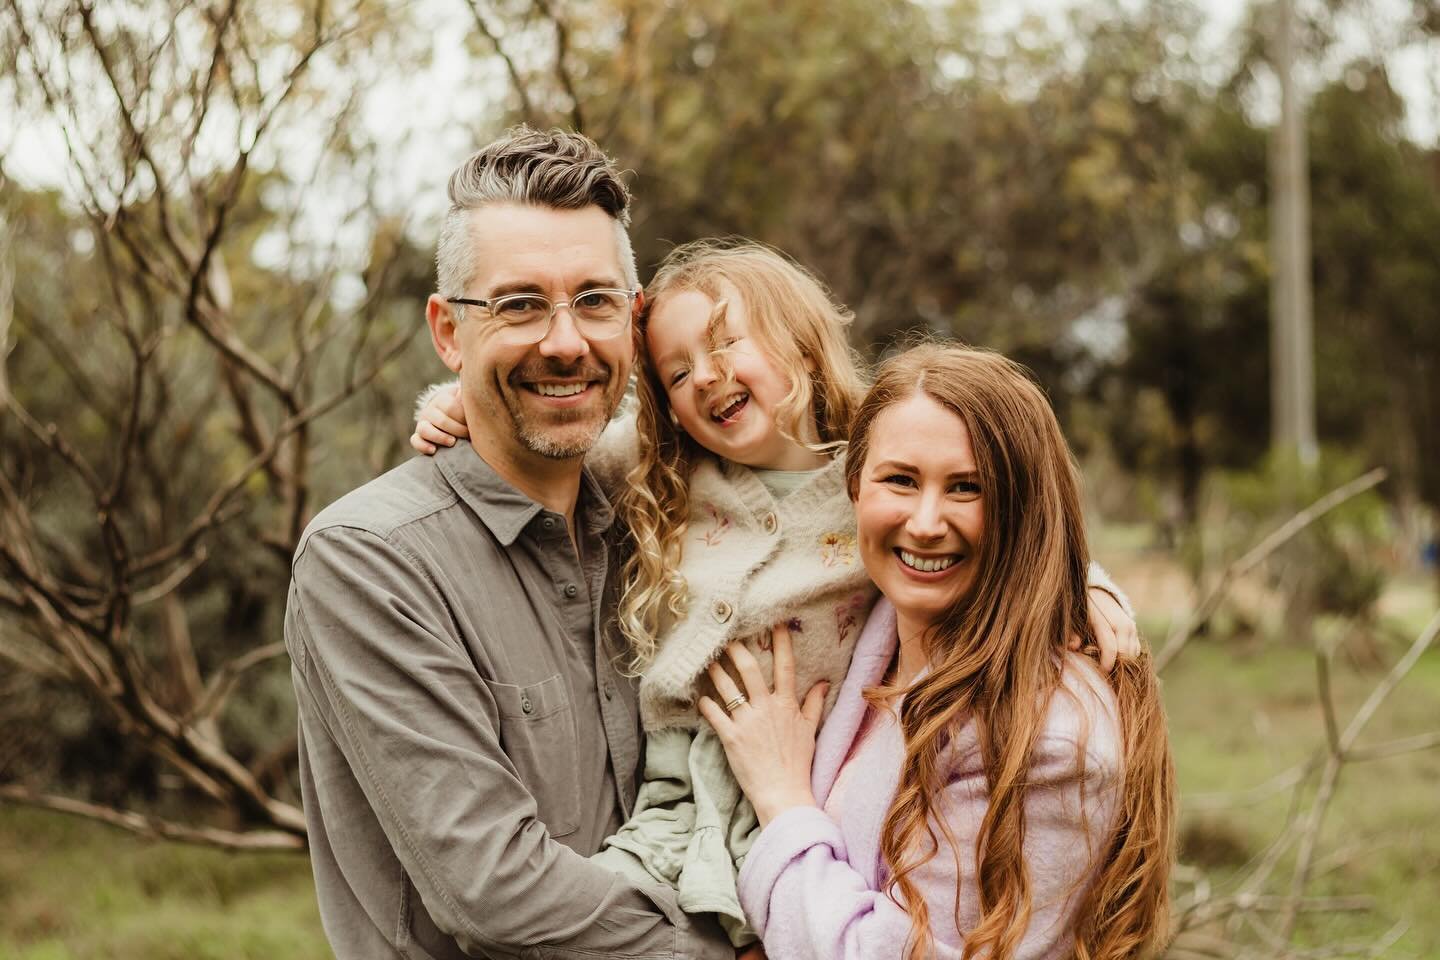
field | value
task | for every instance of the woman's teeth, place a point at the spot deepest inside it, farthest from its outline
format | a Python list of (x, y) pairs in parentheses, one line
[(559, 389), (927, 564), (731, 408)]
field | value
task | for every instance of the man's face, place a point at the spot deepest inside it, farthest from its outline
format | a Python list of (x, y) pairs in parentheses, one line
[(550, 398)]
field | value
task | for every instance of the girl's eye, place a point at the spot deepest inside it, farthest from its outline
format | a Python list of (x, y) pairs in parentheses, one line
[(677, 376)]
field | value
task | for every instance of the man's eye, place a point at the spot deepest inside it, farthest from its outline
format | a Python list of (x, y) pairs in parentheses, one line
[(512, 307), (597, 300)]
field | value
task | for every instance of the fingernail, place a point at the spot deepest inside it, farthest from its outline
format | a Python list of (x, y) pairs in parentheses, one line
[(449, 441)]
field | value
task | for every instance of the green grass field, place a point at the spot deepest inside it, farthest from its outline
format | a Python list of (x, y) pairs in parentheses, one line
[(1239, 714)]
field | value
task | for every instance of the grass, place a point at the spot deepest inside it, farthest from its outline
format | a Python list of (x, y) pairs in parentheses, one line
[(1240, 712), (73, 889)]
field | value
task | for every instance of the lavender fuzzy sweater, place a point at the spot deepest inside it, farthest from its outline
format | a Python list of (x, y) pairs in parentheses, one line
[(813, 885)]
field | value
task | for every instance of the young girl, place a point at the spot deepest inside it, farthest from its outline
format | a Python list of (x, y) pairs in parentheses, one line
[(734, 500)]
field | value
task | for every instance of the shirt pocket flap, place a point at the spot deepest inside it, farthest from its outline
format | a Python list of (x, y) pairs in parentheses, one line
[(534, 701)]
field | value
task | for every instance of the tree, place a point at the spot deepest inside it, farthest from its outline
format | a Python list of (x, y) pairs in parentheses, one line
[(164, 382)]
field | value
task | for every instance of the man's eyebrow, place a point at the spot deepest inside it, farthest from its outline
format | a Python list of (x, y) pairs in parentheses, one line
[(519, 286), (528, 286)]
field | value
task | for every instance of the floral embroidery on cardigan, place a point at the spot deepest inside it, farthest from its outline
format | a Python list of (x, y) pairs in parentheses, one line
[(720, 525), (837, 549), (794, 625), (847, 616)]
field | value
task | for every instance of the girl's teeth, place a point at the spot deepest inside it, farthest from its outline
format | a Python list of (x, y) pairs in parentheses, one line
[(559, 389), (927, 565), (731, 407)]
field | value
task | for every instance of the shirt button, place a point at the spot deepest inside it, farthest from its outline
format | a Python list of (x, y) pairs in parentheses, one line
[(721, 611), (571, 590), (548, 523), (770, 523), (607, 690), (526, 707)]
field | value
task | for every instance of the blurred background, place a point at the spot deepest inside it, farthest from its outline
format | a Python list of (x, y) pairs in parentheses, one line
[(1210, 229)]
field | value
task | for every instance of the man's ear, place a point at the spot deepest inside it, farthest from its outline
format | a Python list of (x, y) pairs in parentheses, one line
[(444, 333)]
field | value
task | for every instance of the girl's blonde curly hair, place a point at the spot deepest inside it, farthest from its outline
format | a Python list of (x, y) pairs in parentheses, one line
[(802, 330)]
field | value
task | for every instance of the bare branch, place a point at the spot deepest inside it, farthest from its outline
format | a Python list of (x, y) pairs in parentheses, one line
[(176, 577), (1424, 741), (222, 682), (154, 827), (214, 511), (1182, 633), (35, 659), (562, 65), (527, 109)]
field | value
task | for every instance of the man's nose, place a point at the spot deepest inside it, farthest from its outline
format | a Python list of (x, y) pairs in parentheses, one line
[(564, 340)]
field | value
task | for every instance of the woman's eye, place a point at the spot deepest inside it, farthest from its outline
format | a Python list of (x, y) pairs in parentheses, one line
[(967, 488), (899, 479)]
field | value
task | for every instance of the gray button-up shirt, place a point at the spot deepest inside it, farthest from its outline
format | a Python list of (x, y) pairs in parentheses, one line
[(466, 739)]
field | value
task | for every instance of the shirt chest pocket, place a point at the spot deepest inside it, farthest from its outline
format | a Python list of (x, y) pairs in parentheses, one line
[(537, 733)]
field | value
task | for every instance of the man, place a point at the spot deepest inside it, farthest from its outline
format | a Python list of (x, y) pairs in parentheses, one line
[(465, 737)]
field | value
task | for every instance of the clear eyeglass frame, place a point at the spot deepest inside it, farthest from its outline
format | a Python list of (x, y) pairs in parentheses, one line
[(600, 321)]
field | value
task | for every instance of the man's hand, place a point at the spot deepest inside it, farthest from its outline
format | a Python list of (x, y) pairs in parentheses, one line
[(442, 420), (1114, 630)]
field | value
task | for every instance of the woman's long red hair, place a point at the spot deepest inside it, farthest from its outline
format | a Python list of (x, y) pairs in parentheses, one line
[(996, 658)]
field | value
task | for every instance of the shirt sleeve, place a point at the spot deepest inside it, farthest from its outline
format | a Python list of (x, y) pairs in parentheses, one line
[(808, 902), (382, 673)]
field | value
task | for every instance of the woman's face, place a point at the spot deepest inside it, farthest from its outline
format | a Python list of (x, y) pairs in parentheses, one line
[(920, 509)]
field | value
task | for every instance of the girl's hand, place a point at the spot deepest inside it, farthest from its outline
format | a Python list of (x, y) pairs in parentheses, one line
[(1114, 630), (769, 738), (442, 420)]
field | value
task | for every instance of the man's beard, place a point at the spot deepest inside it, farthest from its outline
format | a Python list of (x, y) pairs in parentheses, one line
[(538, 436)]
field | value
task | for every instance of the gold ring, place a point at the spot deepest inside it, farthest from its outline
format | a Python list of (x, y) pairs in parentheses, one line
[(738, 700)]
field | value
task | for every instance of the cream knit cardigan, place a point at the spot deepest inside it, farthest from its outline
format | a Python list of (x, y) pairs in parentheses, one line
[(751, 562)]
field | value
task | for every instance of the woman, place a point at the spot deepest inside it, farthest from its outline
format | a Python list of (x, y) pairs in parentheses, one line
[(978, 790)]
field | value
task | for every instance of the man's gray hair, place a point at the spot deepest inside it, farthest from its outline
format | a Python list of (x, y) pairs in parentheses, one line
[(555, 168)]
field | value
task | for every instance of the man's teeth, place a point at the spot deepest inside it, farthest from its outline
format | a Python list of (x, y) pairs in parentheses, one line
[(727, 409), (559, 389), (928, 565)]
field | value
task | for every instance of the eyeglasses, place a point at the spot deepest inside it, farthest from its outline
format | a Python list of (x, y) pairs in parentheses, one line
[(599, 314)]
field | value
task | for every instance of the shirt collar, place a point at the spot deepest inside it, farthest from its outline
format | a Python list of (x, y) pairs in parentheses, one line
[(505, 511)]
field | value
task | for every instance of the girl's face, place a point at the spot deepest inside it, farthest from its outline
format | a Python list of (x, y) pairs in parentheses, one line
[(731, 417), (920, 510)]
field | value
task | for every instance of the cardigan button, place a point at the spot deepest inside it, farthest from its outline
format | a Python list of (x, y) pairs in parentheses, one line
[(770, 523), (721, 611), (526, 707)]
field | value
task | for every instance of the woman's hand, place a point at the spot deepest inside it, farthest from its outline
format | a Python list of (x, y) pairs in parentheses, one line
[(1114, 629), (769, 738), (442, 420)]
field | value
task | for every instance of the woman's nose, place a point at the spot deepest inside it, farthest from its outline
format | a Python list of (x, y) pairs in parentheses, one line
[(925, 521)]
